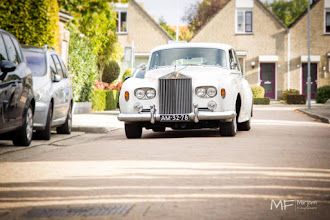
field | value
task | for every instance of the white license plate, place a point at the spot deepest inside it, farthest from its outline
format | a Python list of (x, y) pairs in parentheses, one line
[(164, 118)]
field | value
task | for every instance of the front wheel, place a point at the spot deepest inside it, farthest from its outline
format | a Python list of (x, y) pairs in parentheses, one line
[(244, 126), (133, 130), (46, 133), (228, 128), (66, 128), (23, 136)]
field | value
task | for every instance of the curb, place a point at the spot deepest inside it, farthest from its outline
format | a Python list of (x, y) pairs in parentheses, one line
[(320, 117), (93, 129)]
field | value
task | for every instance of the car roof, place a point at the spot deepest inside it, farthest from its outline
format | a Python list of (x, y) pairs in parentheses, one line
[(33, 48), (193, 45)]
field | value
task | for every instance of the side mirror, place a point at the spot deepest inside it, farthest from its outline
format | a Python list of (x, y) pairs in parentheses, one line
[(143, 66), (57, 78), (7, 66), (233, 65)]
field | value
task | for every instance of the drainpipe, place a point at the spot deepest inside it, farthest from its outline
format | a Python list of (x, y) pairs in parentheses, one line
[(289, 58)]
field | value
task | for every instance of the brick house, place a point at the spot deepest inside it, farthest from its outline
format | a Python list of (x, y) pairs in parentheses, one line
[(270, 54), (134, 24), (64, 37), (320, 48)]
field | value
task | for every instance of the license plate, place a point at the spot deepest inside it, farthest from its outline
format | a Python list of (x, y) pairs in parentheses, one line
[(164, 118)]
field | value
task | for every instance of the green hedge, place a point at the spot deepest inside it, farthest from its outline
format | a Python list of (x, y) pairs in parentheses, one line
[(258, 91), (105, 100), (322, 94), (289, 92), (261, 101), (33, 22), (296, 99)]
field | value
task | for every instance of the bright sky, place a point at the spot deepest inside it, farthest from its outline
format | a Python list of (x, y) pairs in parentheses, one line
[(171, 10)]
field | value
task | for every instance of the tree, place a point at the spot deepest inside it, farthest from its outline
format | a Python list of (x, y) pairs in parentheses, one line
[(184, 33), (288, 11), (197, 15), (32, 22)]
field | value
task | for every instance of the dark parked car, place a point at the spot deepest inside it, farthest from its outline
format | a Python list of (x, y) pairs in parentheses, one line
[(16, 92)]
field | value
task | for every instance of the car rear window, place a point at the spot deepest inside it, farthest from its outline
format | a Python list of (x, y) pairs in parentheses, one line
[(37, 62)]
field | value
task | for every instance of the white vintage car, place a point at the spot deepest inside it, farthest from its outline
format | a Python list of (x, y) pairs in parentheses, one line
[(187, 86)]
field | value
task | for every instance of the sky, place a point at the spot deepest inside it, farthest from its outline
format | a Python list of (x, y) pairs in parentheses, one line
[(171, 10)]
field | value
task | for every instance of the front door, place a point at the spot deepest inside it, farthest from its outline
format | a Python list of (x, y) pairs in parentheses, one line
[(267, 77), (313, 79)]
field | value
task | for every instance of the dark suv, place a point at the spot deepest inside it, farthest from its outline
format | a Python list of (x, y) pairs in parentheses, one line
[(16, 92)]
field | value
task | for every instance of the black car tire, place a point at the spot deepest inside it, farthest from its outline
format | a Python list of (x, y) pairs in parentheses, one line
[(66, 128), (133, 130), (23, 136), (244, 126), (160, 129), (46, 133), (228, 128)]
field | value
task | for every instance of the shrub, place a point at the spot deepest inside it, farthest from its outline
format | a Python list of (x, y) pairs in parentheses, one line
[(261, 101), (105, 100), (322, 94), (82, 65), (296, 99), (128, 72), (33, 22), (289, 92), (111, 72), (258, 91)]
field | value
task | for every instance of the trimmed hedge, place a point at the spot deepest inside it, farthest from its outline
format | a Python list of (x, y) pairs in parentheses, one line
[(258, 91), (261, 101), (296, 99), (105, 100), (289, 92), (33, 22), (322, 94), (111, 72)]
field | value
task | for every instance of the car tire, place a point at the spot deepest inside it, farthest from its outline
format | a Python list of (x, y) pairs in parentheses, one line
[(23, 136), (161, 129), (244, 126), (133, 130), (66, 128), (46, 133), (228, 129)]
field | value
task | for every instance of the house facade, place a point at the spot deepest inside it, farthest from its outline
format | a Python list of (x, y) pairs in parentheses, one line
[(64, 36), (320, 48), (138, 30), (270, 54)]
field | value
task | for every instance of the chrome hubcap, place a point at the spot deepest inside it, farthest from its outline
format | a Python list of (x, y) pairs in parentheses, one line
[(29, 124)]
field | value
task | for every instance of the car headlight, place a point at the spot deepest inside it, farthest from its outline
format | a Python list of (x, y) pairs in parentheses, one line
[(145, 93), (206, 91), (38, 94), (201, 92)]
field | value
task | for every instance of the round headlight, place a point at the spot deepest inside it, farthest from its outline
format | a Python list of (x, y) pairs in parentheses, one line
[(38, 95), (151, 93), (201, 92), (138, 107), (140, 93), (211, 105), (211, 92)]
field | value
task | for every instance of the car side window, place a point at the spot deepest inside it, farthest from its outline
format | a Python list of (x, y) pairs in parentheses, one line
[(57, 65), (12, 54), (18, 48), (3, 53), (65, 72), (52, 68), (238, 67)]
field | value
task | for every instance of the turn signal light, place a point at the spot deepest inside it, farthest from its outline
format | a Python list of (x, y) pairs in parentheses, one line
[(223, 93), (126, 96)]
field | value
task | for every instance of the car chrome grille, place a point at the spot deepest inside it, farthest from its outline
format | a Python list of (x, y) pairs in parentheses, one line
[(175, 94)]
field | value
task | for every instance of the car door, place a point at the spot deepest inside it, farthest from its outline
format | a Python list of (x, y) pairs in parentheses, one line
[(4, 87), (67, 86), (16, 96), (59, 90)]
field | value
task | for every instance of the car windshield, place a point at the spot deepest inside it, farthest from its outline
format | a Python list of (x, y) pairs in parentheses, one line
[(188, 56), (37, 62)]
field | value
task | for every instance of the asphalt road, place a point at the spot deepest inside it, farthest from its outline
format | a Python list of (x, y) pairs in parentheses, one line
[(179, 175)]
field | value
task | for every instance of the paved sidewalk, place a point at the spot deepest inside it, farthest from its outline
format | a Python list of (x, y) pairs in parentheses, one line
[(319, 112), (97, 122)]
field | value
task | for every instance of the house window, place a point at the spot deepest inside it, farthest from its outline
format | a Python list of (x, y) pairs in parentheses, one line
[(121, 22), (244, 21), (327, 21)]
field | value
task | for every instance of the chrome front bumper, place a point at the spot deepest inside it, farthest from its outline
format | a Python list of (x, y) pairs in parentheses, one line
[(195, 116)]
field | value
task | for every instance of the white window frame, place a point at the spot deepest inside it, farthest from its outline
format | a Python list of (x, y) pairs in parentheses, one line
[(119, 22), (327, 10), (244, 10)]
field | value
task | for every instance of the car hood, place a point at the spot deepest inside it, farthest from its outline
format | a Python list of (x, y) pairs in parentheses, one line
[(195, 72)]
